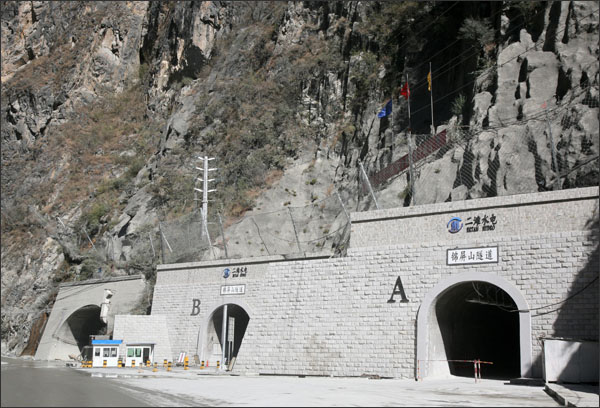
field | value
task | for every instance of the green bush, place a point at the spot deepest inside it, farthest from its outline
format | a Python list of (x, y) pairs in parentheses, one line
[(476, 31), (91, 218), (458, 105)]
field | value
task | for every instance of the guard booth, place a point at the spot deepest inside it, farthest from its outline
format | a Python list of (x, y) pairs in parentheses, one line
[(140, 353), (105, 350)]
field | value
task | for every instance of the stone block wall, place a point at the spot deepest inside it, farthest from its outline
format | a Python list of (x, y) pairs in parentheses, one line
[(331, 316), (144, 329)]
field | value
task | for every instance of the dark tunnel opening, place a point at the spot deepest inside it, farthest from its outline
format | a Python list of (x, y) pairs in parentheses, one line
[(237, 322), (85, 322), (478, 320)]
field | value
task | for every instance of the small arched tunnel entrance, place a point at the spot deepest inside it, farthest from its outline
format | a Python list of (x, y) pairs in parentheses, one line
[(77, 328), (478, 320), (236, 321)]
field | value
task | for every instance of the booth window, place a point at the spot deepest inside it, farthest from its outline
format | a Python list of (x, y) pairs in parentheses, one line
[(105, 352), (130, 352), (97, 352), (113, 352), (138, 352)]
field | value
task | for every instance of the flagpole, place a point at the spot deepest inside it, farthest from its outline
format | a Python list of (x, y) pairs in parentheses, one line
[(392, 117), (410, 155), (431, 98)]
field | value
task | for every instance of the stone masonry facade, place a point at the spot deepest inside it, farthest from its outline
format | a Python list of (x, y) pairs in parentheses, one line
[(144, 329), (331, 316)]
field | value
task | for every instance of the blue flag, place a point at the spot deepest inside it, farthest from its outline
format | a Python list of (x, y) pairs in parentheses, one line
[(386, 110)]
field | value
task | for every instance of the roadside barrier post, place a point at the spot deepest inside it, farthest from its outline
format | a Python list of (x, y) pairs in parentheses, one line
[(165, 363), (104, 363), (147, 363), (132, 363), (202, 365), (169, 366), (120, 363), (186, 363), (218, 364), (155, 369)]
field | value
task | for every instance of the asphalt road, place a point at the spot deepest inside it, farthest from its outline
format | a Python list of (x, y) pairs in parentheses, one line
[(27, 383)]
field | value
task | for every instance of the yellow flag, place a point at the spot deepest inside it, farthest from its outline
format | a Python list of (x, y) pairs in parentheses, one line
[(429, 81)]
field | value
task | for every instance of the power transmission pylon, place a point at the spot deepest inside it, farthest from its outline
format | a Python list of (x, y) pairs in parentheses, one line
[(204, 190)]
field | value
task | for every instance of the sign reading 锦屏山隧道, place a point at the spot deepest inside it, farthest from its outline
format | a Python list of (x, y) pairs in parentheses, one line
[(464, 256)]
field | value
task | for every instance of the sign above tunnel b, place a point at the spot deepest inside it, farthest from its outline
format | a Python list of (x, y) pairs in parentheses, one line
[(233, 289)]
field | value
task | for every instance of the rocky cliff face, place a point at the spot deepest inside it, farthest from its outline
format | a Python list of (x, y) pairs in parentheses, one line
[(106, 106)]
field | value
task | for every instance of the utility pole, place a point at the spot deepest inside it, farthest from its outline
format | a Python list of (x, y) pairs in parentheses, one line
[(204, 190)]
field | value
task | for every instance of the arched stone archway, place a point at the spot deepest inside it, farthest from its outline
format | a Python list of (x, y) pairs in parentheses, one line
[(430, 342), (210, 337)]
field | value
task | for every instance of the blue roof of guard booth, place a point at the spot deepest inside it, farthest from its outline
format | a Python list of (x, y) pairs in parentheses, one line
[(105, 342)]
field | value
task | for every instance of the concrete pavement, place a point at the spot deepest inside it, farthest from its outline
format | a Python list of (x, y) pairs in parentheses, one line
[(574, 395), (196, 387)]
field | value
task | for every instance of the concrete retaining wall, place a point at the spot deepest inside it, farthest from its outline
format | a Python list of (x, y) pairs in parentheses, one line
[(57, 342), (570, 361)]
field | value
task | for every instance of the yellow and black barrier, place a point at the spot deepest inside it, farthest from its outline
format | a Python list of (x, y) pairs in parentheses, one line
[(104, 363), (165, 363), (148, 363), (202, 365), (155, 369), (169, 366), (186, 363), (120, 363), (218, 364), (132, 363)]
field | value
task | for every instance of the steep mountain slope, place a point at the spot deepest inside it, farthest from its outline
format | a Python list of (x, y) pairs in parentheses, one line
[(107, 105)]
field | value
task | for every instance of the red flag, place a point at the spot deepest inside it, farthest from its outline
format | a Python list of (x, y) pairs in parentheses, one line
[(405, 91)]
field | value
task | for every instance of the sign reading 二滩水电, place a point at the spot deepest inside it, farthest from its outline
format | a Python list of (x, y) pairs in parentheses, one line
[(475, 223)]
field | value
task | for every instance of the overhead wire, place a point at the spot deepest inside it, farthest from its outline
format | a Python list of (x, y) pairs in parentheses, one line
[(438, 71), (472, 47), (552, 304), (469, 83)]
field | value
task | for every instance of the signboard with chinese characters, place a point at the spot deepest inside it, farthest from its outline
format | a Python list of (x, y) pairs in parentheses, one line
[(466, 256), (239, 272), (233, 289), (476, 223), (481, 223)]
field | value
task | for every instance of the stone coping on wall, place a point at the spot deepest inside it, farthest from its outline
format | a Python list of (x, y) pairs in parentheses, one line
[(104, 280), (517, 200), (245, 261)]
